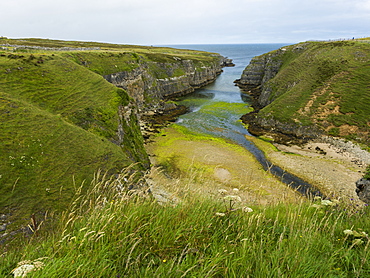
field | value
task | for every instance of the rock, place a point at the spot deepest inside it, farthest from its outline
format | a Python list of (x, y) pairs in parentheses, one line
[(227, 63), (143, 85), (363, 190), (2, 227)]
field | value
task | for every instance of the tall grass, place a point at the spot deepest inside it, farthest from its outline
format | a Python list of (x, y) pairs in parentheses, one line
[(115, 232)]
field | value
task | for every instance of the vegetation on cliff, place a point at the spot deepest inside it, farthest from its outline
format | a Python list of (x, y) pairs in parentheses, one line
[(320, 84), (61, 121)]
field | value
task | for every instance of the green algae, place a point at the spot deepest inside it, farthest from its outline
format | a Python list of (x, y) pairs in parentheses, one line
[(218, 108)]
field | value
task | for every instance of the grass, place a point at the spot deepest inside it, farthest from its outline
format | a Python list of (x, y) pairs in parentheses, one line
[(110, 233), (61, 121), (326, 84), (52, 113), (55, 137)]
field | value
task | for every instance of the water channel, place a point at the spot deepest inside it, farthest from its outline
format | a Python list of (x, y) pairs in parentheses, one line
[(217, 108)]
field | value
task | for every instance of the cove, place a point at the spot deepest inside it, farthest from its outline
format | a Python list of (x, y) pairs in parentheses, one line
[(216, 109)]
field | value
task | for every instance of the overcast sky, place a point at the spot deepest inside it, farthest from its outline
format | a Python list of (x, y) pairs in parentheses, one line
[(153, 22)]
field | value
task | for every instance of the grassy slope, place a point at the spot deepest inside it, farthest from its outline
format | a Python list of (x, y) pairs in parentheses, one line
[(58, 118), (326, 84), (125, 236), (56, 122)]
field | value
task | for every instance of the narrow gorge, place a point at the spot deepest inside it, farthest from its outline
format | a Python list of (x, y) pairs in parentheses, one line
[(70, 113)]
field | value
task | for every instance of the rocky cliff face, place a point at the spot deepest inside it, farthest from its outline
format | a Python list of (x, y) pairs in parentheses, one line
[(152, 82), (255, 81), (260, 70), (280, 132)]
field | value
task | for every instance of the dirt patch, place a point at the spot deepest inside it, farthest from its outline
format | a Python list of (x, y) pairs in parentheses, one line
[(222, 174), (348, 129)]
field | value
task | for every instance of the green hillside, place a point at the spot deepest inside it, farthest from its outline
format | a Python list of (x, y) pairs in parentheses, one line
[(325, 84), (58, 121), (59, 118)]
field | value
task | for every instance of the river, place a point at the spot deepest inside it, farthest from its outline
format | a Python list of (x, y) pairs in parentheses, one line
[(217, 108)]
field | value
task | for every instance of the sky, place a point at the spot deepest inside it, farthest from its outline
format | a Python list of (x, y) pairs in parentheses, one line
[(169, 22)]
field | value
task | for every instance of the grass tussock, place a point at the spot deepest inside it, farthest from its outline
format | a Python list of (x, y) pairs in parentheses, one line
[(115, 232)]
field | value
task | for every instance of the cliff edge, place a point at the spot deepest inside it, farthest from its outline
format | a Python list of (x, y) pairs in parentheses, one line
[(310, 89)]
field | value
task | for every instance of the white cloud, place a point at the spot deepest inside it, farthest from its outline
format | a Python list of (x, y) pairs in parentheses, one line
[(191, 21)]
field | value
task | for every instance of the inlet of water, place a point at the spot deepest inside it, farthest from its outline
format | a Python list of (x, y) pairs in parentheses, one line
[(217, 108)]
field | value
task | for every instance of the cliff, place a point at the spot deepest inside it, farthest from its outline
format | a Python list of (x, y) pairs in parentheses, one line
[(151, 82), (307, 90), (62, 121)]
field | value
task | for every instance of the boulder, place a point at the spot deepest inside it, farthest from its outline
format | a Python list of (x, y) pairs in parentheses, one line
[(363, 190)]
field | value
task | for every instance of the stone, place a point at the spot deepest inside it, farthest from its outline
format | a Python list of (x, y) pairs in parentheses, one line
[(363, 190)]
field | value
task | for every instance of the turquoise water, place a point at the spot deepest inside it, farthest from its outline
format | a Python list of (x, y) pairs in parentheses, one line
[(217, 108)]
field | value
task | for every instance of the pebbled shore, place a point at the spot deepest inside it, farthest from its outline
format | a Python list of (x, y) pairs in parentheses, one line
[(333, 166)]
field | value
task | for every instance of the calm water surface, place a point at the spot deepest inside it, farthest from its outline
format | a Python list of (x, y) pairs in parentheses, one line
[(217, 108)]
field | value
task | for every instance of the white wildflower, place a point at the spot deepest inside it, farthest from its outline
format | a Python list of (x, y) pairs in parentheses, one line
[(25, 267), (247, 209), (234, 198), (316, 206), (357, 241), (363, 234), (348, 232), (23, 270), (220, 214), (327, 203), (222, 191), (236, 189)]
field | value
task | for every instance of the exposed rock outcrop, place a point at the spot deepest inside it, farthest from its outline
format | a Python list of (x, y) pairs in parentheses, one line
[(153, 82), (259, 71), (363, 190), (147, 87), (282, 133), (255, 82)]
